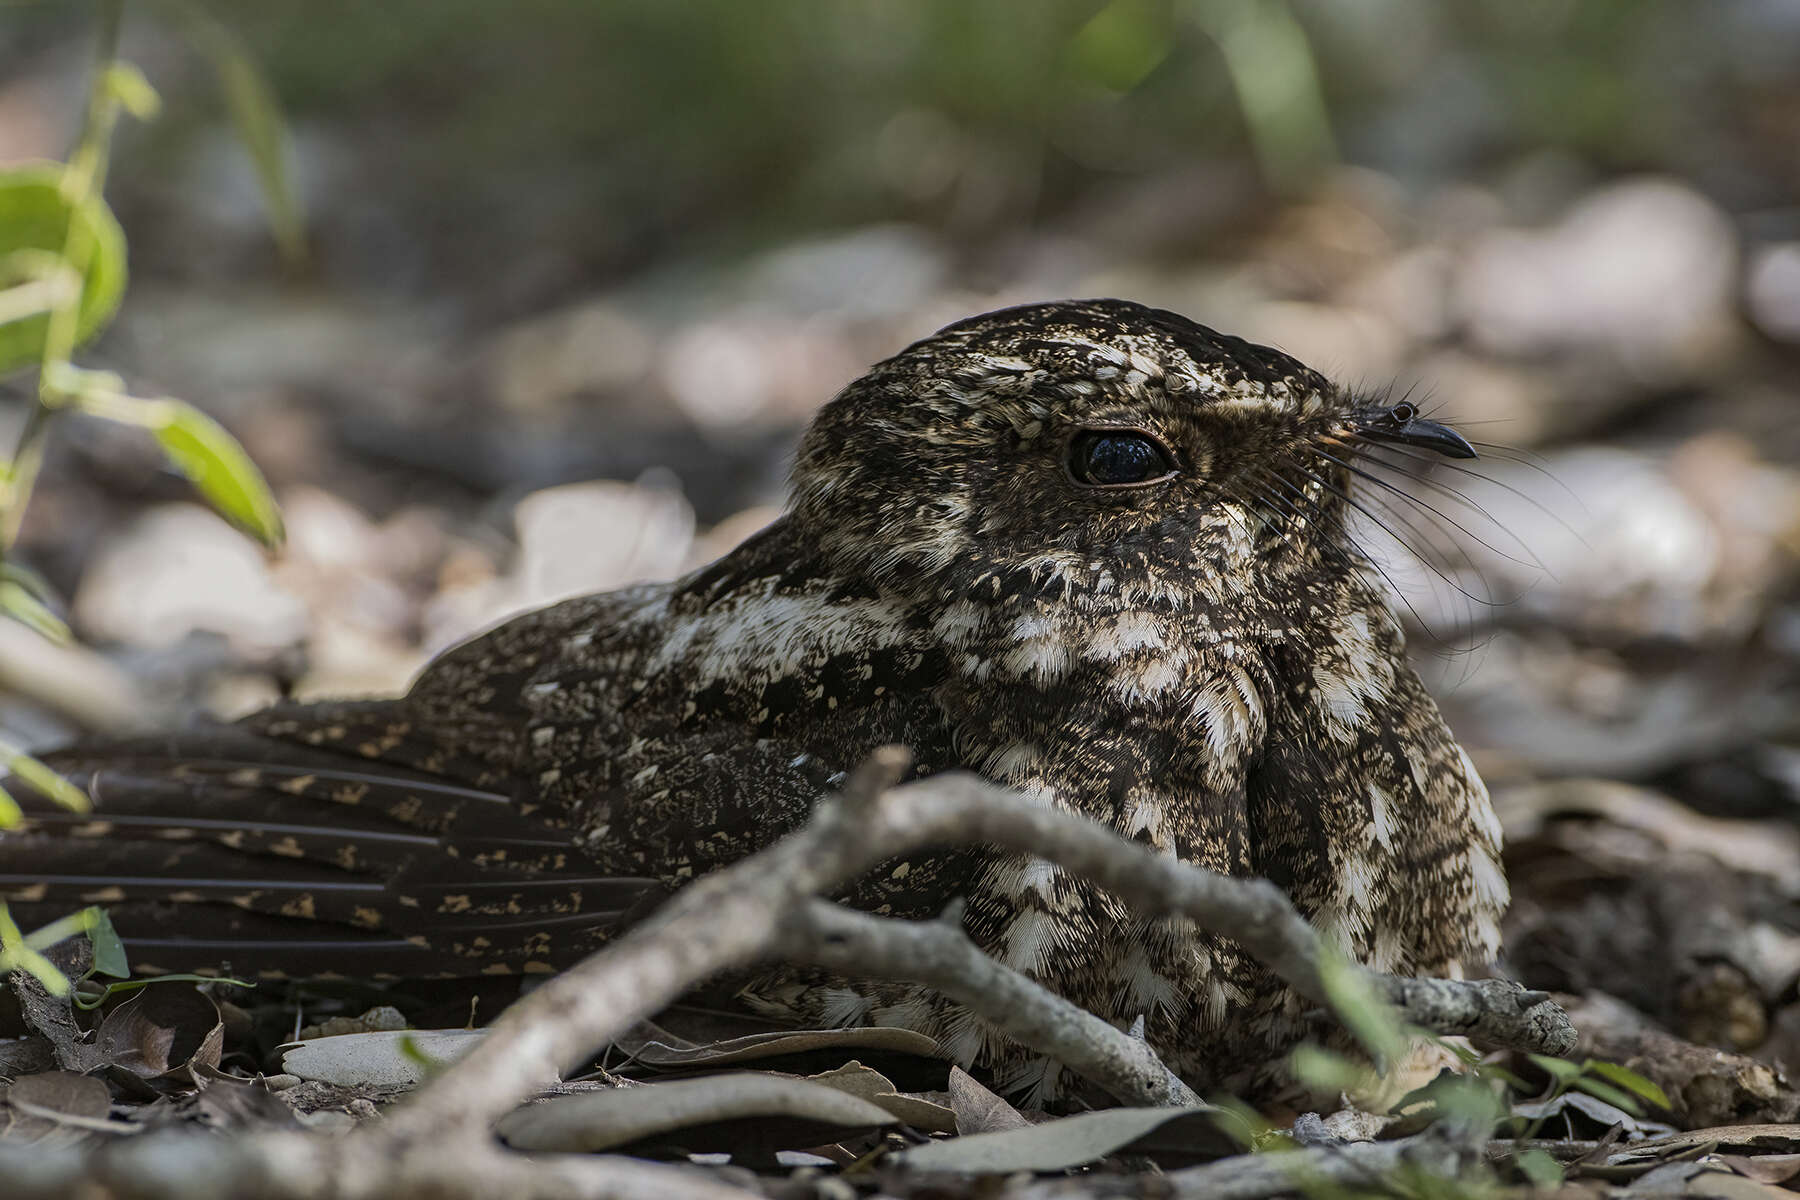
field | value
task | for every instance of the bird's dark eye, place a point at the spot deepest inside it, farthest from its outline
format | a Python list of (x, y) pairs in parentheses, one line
[(1402, 412), (1118, 457)]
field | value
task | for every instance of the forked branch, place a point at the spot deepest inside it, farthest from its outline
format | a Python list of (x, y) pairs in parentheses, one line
[(759, 908), (767, 906)]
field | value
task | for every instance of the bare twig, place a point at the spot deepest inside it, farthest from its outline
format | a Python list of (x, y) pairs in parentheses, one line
[(939, 954), (727, 919), (298, 1166), (736, 916), (1498, 1011)]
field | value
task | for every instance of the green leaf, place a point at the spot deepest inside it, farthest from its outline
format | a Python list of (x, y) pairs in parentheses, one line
[(1617, 1097), (1561, 1070), (415, 1054), (1238, 1120), (1321, 1070), (199, 448), (256, 114), (1507, 1077), (11, 815), (23, 575), (1630, 1080), (49, 282), (1269, 59), (109, 951), (15, 955), (1464, 1098), (25, 608), (59, 930), (1468, 1100), (1365, 1014), (93, 924), (1539, 1169), (1122, 44), (39, 225), (196, 445), (25, 595), (1465, 1053), (43, 780), (126, 84)]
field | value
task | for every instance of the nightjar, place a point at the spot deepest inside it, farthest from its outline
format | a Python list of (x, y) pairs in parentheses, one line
[(1091, 550)]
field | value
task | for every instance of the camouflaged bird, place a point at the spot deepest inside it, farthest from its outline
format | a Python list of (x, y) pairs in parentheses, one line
[(1085, 549)]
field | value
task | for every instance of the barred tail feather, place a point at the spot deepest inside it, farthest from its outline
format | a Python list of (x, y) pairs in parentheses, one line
[(227, 850)]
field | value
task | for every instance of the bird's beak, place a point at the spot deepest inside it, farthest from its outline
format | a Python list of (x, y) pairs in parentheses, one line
[(1420, 432)]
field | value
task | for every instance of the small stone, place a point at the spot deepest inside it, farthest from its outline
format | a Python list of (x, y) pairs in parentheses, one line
[(327, 1120), (1772, 291), (1644, 272), (179, 569)]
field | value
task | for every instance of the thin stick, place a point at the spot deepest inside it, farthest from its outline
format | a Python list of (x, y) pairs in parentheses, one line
[(940, 955)]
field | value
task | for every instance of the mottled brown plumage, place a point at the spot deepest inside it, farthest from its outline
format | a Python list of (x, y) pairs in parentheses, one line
[(1075, 547)]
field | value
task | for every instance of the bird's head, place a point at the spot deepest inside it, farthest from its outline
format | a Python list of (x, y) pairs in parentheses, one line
[(1098, 443)]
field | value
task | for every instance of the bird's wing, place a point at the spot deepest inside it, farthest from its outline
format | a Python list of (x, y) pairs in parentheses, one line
[(375, 838), (540, 785), (226, 849)]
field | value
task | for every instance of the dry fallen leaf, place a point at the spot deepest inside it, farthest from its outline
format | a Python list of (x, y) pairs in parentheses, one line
[(25, 1056), (1185, 1134), (1767, 848), (731, 1113), (159, 1037), (232, 1102), (62, 1092), (53, 1018), (1765, 1168), (377, 1059), (55, 1105), (871, 1085), (1734, 1139), (1583, 1115), (650, 1046), (1719, 1185), (977, 1109)]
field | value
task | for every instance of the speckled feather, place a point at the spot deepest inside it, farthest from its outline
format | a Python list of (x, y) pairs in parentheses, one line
[(1199, 663)]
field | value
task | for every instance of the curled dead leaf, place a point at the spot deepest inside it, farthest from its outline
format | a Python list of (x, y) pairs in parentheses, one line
[(732, 1113)]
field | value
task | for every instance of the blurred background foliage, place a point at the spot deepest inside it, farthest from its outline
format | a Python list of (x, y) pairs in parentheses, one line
[(615, 134)]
